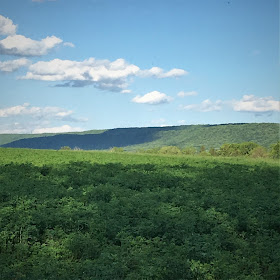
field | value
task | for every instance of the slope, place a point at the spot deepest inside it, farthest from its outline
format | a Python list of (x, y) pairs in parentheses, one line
[(134, 138)]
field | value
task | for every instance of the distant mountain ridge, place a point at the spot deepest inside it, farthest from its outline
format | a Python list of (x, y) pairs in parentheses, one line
[(214, 136)]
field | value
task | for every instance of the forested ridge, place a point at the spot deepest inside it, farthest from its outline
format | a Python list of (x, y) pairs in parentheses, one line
[(105, 215), (132, 139)]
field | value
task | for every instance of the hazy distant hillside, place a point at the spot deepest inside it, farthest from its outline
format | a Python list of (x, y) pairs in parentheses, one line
[(134, 138), (8, 138)]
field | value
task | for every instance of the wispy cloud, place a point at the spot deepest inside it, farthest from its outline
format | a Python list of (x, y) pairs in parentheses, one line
[(252, 103), (56, 129), (103, 74), (7, 27), (31, 119), (54, 113), (69, 44), (187, 93), (13, 65), (152, 98), (157, 72), (205, 106)]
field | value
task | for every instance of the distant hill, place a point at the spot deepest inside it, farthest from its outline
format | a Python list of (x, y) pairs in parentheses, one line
[(131, 139), (7, 138)]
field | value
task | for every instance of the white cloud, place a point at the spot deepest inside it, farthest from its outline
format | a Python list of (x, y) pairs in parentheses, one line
[(27, 119), (187, 93), (103, 74), (56, 129), (159, 122), (181, 122), (50, 113), (7, 27), (205, 106), (153, 98), (251, 103), (69, 44), (13, 65), (22, 46), (159, 73), (126, 91)]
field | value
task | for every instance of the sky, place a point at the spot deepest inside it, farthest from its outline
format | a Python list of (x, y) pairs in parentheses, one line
[(68, 65)]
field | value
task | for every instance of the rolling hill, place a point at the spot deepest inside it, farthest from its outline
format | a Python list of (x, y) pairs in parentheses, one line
[(132, 139)]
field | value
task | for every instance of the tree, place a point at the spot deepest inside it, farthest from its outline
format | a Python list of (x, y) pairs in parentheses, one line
[(189, 151), (170, 150), (275, 150), (117, 150), (65, 148)]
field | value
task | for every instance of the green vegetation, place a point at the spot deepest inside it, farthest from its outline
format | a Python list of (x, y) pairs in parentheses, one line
[(132, 139), (106, 215), (8, 138), (247, 149)]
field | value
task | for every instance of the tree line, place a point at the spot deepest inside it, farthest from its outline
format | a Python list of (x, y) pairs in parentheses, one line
[(249, 149)]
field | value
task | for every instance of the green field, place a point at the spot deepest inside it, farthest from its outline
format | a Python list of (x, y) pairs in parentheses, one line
[(103, 215)]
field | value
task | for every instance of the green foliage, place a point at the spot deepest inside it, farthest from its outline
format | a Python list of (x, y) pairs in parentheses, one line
[(189, 151), (275, 150), (259, 152), (117, 150), (65, 148), (170, 150), (102, 215)]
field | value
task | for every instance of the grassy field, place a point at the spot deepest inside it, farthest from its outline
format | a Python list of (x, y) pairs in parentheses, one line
[(103, 215)]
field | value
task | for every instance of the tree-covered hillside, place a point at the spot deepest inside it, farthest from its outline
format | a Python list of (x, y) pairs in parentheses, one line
[(8, 138), (209, 136)]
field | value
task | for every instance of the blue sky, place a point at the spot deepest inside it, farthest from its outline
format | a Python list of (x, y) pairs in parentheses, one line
[(68, 65)]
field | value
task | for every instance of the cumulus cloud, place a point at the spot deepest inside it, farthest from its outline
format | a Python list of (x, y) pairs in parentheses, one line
[(22, 46), (103, 74), (56, 129), (152, 98), (187, 93), (7, 27), (13, 65), (54, 113), (205, 106), (252, 103), (157, 72)]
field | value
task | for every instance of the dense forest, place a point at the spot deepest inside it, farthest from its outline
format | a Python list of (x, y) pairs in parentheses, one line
[(132, 139), (110, 215)]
